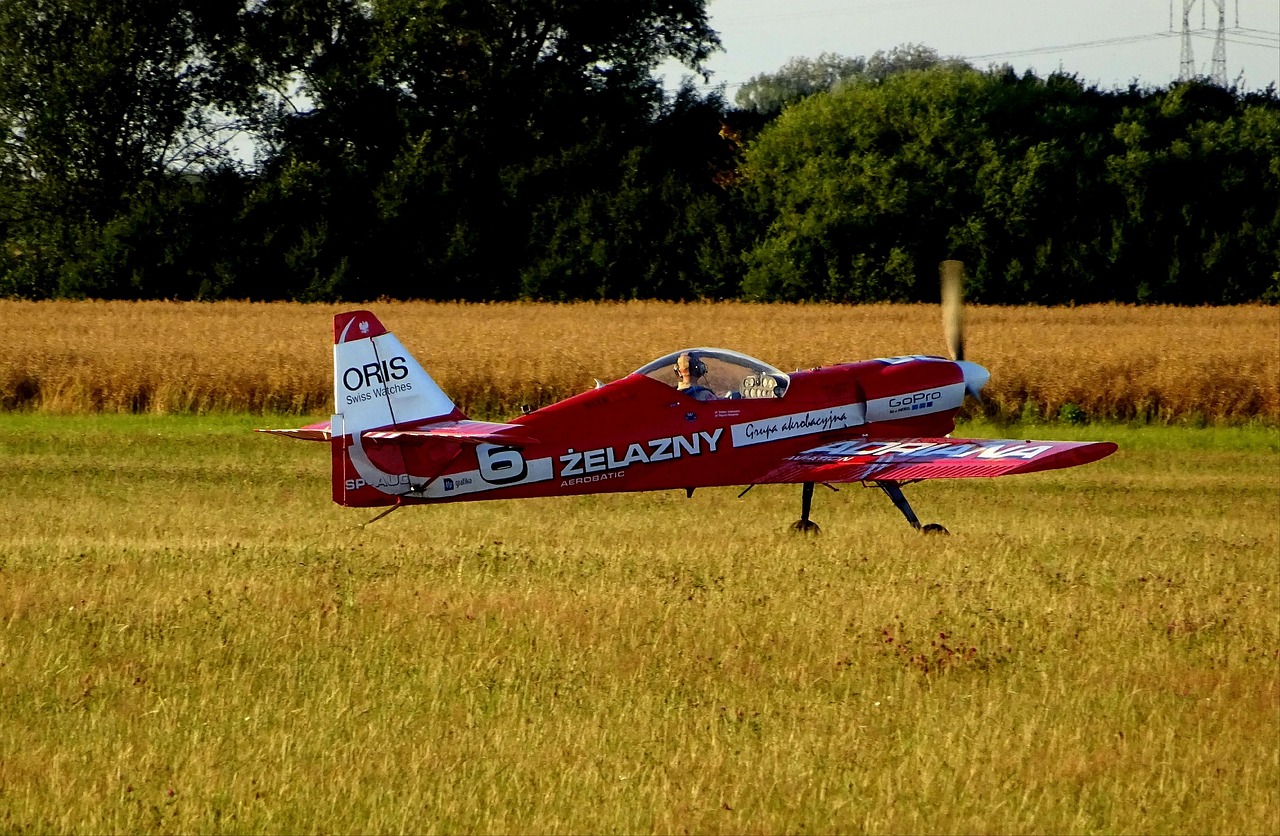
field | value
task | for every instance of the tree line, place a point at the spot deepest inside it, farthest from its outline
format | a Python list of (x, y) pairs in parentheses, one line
[(507, 149)]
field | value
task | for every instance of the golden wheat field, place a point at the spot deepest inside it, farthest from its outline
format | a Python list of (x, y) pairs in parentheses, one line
[(1192, 365)]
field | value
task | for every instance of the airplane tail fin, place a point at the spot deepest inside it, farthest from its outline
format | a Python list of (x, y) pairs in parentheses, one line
[(388, 414), (377, 383), (381, 390)]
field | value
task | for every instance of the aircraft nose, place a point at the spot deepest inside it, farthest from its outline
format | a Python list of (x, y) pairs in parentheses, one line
[(975, 377)]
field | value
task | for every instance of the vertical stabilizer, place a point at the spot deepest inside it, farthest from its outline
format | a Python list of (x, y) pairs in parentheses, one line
[(377, 383)]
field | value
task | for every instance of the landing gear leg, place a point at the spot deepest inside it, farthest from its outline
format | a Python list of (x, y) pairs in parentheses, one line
[(893, 490), (804, 525)]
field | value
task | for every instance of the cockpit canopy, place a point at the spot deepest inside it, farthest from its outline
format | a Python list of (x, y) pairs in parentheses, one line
[(729, 374)]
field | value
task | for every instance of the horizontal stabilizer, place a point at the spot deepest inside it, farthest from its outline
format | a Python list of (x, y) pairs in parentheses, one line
[(321, 431), (909, 459), (464, 432)]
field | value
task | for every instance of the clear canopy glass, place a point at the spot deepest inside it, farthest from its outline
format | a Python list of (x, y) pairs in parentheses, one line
[(729, 374)]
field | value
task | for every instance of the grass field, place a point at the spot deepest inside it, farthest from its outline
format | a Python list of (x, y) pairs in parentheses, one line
[(193, 639), (1101, 362)]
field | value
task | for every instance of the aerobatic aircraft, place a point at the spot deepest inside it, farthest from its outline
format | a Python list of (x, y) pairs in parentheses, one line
[(694, 418)]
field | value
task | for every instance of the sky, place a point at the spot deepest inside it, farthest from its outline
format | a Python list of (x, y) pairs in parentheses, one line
[(1110, 43)]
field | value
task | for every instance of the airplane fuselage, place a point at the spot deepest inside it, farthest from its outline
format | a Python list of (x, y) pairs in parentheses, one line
[(638, 434)]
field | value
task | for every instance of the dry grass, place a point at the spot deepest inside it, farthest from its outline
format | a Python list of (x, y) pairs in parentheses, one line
[(193, 639), (1215, 365)]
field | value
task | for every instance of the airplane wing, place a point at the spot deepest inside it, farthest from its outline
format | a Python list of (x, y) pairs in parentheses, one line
[(910, 459)]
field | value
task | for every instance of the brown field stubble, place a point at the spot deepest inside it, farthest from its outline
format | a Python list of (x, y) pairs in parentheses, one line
[(1159, 364)]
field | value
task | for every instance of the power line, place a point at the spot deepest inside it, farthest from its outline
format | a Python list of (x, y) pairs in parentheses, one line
[(1124, 39), (1261, 45), (1251, 40), (1275, 36)]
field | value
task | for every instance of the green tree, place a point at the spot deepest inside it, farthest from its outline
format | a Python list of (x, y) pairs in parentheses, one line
[(657, 222), (441, 128), (1197, 173), (799, 78), (104, 106), (857, 187), (769, 93), (1051, 192)]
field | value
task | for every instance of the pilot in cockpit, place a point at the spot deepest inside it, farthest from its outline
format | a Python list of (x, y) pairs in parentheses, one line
[(689, 373)]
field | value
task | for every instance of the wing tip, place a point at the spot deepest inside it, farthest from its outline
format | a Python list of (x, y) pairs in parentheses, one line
[(1082, 453)]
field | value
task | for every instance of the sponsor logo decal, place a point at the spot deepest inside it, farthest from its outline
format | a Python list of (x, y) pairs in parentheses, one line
[(914, 401), (379, 392), (382, 377), (358, 377), (608, 460), (907, 404), (499, 467), (929, 450), (800, 423)]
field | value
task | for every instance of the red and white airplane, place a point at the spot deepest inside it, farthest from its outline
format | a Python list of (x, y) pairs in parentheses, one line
[(397, 439)]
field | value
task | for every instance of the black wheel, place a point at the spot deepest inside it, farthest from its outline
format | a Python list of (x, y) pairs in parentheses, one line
[(933, 528), (806, 527)]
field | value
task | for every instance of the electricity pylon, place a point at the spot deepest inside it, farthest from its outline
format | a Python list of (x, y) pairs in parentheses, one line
[(1218, 66)]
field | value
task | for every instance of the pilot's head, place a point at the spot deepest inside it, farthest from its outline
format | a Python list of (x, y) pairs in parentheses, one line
[(688, 369)]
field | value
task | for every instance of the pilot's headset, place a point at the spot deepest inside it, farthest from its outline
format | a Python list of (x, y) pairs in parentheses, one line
[(697, 369)]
